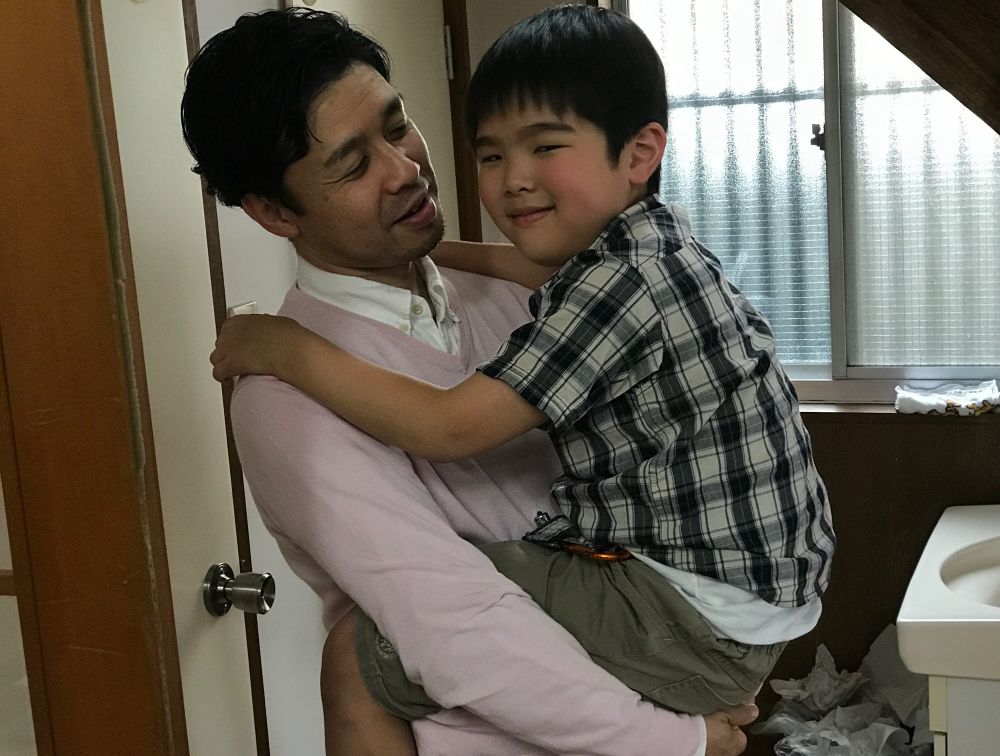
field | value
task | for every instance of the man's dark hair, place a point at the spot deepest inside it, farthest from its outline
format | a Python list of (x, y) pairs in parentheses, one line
[(248, 92), (592, 61)]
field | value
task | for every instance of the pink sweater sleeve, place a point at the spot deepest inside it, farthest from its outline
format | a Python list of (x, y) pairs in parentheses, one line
[(473, 639)]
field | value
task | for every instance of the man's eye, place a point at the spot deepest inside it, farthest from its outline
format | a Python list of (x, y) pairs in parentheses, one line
[(357, 169), (548, 147), (484, 159), (400, 131)]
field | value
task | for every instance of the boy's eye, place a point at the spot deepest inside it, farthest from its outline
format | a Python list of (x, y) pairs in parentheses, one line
[(484, 159), (548, 147)]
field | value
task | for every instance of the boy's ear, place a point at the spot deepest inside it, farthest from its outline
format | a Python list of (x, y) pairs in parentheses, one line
[(644, 152), (271, 215)]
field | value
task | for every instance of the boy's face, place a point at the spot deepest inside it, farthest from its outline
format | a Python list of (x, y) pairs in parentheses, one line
[(547, 182)]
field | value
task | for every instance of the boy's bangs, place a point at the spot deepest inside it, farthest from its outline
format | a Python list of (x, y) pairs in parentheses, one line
[(519, 95)]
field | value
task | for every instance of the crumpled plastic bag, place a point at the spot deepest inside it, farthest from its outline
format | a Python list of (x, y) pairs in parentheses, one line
[(833, 712), (824, 687), (892, 684)]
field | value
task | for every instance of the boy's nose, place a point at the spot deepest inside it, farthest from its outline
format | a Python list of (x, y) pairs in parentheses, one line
[(517, 178)]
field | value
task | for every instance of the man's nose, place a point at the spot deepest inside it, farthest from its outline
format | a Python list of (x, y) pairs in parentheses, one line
[(403, 170)]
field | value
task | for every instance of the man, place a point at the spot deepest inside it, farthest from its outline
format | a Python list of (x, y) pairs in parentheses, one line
[(290, 115)]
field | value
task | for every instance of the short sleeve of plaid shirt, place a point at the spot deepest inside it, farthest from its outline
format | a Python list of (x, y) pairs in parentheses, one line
[(595, 335)]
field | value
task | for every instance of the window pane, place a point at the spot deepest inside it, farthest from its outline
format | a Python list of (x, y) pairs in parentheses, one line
[(745, 79), (921, 214)]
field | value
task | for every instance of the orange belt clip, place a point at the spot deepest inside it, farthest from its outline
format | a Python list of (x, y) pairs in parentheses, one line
[(612, 554)]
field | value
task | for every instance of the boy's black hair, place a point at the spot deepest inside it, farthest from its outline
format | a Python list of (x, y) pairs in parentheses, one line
[(592, 61), (248, 92)]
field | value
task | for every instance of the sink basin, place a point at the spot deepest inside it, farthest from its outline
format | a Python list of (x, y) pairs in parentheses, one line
[(974, 572), (949, 622)]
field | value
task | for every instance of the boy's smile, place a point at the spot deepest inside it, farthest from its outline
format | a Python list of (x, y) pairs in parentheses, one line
[(547, 181)]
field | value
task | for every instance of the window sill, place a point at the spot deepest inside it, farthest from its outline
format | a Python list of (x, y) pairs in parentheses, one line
[(842, 412)]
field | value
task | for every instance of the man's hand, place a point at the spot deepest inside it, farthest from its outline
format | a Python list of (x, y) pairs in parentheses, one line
[(256, 344), (725, 738)]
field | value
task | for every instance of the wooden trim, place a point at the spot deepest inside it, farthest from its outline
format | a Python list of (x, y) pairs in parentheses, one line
[(470, 222), (79, 482), (218, 284), (148, 509), (956, 47)]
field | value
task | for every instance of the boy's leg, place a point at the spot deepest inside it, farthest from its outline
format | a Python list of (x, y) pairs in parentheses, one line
[(630, 620), (635, 625), (354, 723)]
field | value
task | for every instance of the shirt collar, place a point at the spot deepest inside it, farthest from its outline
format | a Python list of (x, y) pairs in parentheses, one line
[(374, 299), (619, 225)]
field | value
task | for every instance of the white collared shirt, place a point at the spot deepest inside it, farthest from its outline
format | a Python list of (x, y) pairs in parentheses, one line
[(433, 323)]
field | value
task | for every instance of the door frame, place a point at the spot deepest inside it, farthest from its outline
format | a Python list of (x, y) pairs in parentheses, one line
[(76, 448)]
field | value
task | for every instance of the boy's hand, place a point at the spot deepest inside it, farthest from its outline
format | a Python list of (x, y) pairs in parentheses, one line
[(255, 344), (725, 738)]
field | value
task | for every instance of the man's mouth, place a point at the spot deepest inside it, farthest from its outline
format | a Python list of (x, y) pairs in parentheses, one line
[(421, 212)]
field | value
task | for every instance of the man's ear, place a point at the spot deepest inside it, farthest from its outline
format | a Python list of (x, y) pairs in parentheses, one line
[(644, 152), (271, 215)]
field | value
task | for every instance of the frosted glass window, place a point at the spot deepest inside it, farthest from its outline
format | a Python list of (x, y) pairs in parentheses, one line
[(745, 82), (921, 214), (920, 182)]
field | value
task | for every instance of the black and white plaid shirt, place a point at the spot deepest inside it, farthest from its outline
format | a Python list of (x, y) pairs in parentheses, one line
[(678, 431)]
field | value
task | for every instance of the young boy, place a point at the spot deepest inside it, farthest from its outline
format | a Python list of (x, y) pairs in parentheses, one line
[(699, 537)]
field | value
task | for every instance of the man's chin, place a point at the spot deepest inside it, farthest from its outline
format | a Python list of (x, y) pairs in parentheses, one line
[(433, 237)]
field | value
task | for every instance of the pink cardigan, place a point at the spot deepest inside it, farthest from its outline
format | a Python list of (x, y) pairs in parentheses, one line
[(356, 518)]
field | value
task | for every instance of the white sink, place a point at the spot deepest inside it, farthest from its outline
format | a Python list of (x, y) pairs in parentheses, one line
[(949, 622)]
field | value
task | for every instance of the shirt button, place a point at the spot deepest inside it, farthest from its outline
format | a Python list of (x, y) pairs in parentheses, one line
[(417, 309), (404, 327)]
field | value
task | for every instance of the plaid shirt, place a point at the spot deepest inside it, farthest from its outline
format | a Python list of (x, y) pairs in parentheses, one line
[(678, 431)]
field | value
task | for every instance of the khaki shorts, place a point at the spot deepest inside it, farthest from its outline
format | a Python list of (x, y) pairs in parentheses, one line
[(630, 620)]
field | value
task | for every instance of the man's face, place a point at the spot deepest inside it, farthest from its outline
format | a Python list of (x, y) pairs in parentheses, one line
[(366, 187)]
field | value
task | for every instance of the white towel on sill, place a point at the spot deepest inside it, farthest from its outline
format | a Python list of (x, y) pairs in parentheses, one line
[(951, 399)]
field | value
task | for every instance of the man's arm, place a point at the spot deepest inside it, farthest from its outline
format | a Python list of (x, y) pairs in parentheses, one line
[(473, 639), (438, 424), (495, 260)]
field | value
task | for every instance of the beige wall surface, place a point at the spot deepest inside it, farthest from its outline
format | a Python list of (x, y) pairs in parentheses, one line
[(16, 733)]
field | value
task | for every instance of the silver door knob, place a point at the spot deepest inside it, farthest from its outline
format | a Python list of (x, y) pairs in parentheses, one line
[(250, 592)]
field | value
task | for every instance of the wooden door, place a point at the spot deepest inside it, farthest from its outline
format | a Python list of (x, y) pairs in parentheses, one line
[(106, 447)]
